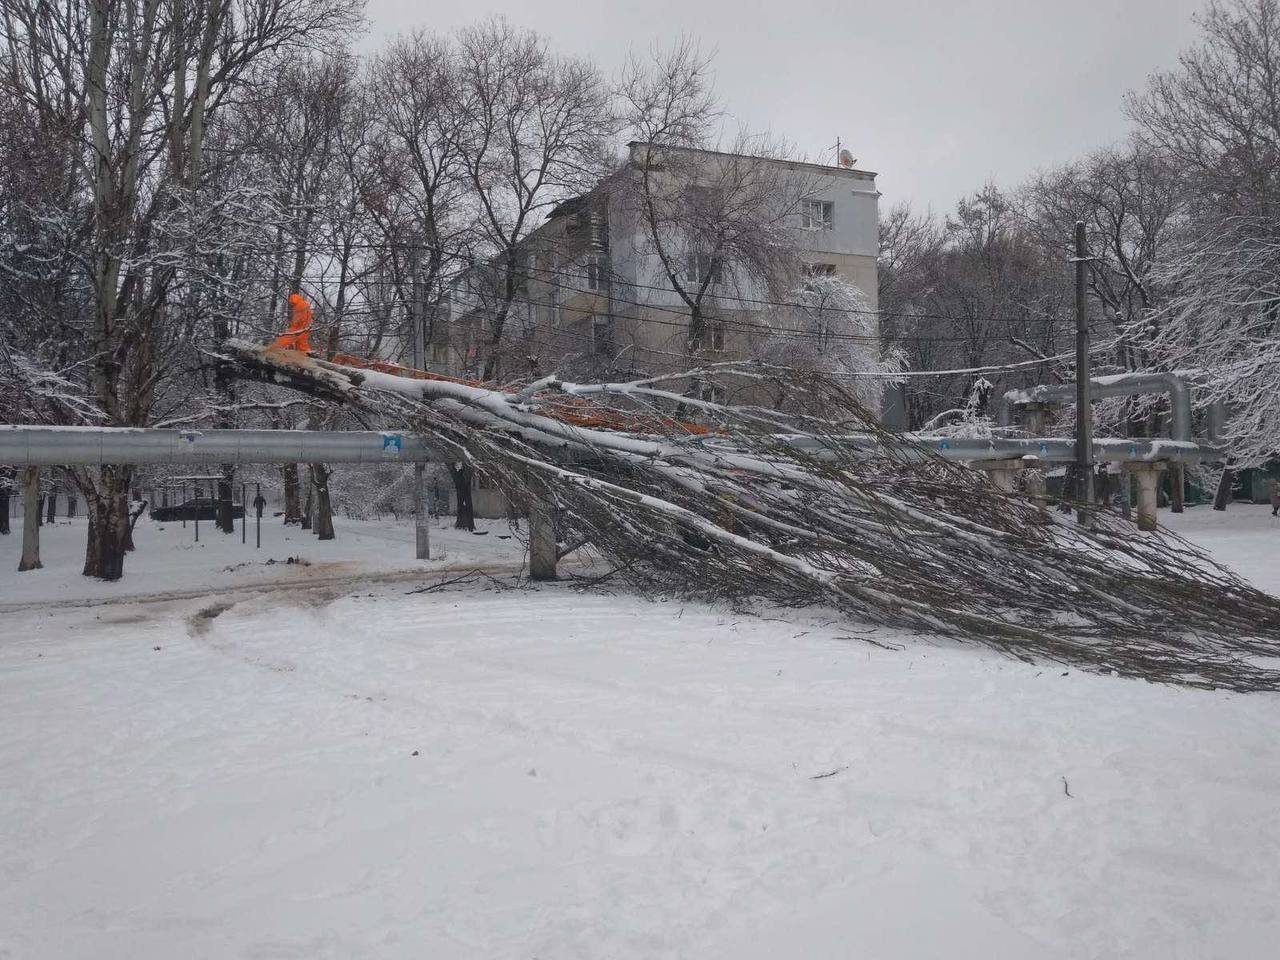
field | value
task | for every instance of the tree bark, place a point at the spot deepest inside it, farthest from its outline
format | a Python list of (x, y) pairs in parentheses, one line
[(225, 517), (40, 510), (133, 521), (108, 509), (308, 508), (71, 503), (1223, 496), (465, 518), (324, 507), (30, 520), (7, 477), (292, 505), (51, 507)]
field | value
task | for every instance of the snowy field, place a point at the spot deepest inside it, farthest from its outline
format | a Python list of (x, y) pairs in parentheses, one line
[(212, 762)]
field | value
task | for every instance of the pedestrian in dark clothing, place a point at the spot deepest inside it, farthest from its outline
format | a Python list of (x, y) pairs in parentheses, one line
[(258, 503)]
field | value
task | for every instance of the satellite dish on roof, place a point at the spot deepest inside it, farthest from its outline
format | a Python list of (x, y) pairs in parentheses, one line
[(847, 159)]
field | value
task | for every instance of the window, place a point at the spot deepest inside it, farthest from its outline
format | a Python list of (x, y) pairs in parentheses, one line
[(551, 306), (699, 266), (597, 273), (716, 328), (818, 215)]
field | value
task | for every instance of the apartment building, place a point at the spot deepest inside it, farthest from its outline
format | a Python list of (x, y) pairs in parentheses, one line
[(595, 298), (595, 295)]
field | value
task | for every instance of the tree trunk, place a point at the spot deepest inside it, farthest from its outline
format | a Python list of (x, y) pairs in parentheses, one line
[(30, 520), (225, 518), (324, 507), (292, 505), (71, 503), (466, 517), (128, 526), (133, 521), (1223, 496), (51, 504), (308, 508), (7, 477), (40, 510), (1177, 487), (108, 508)]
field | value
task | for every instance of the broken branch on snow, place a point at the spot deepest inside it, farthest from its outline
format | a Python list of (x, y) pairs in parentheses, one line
[(854, 517)]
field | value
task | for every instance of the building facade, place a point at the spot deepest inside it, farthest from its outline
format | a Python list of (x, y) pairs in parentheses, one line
[(593, 292), (595, 297)]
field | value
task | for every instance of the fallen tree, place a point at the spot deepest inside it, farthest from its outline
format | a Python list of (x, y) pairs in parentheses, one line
[(796, 509)]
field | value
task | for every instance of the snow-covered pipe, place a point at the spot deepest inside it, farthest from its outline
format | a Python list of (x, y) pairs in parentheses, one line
[(93, 446), (1121, 385), (1048, 449)]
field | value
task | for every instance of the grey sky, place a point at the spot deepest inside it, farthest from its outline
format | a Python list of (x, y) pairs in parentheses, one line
[(937, 96)]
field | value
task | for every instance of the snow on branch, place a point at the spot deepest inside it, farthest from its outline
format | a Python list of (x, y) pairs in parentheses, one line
[(738, 508)]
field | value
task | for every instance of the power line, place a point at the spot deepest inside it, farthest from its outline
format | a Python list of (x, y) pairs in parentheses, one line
[(681, 312), (528, 269), (736, 298)]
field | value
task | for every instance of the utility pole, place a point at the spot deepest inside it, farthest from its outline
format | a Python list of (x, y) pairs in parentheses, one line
[(1084, 406)]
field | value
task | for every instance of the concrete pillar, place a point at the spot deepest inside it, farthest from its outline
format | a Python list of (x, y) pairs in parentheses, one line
[(30, 520), (1003, 473), (421, 513), (1037, 415), (1147, 476), (1036, 487), (542, 542), (1002, 479)]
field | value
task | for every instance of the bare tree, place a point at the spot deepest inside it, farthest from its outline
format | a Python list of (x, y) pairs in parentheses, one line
[(533, 132), (1216, 117), (422, 208), (712, 223), (121, 94), (974, 290), (1131, 200)]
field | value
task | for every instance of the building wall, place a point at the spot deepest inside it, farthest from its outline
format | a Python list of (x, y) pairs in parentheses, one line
[(569, 323)]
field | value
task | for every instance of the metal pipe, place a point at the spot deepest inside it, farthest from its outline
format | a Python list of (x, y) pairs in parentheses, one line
[(44, 446), (94, 446), (1121, 385), (970, 449)]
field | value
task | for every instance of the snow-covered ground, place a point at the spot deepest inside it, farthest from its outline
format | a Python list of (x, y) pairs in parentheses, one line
[(169, 559), (356, 771)]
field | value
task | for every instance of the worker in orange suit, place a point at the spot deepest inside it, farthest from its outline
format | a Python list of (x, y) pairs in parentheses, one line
[(298, 334)]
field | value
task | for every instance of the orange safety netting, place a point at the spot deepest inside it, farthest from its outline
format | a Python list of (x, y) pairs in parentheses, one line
[(579, 411)]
